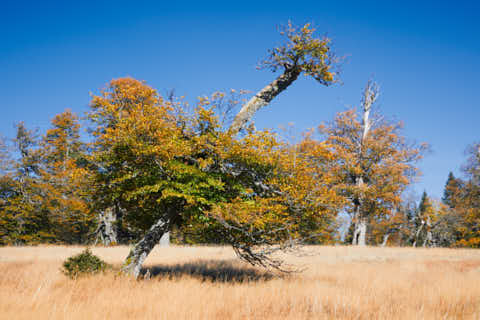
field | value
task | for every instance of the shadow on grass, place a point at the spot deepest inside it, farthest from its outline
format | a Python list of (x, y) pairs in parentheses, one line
[(208, 270)]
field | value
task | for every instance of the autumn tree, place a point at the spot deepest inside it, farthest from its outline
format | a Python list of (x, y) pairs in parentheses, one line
[(469, 211), (374, 163), (389, 228), (24, 218), (463, 197), (423, 221), (302, 52), (7, 190), (65, 179), (168, 168), (436, 224)]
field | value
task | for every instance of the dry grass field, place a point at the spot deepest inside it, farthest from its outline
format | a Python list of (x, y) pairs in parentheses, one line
[(209, 283)]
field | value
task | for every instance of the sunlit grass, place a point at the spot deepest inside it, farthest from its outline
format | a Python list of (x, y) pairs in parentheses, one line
[(209, 283)]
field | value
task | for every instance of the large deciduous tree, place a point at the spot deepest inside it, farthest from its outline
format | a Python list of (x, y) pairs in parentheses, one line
[(436, 224), (373, 163), (463, 198), (168, 168), (65, 180)]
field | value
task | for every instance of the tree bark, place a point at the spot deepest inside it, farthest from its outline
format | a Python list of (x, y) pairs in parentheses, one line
[(263, 98), (369, 96), (165, 240), (362, 231), (417, 234), (385, 239), (355, 234), (106, 230), (428, 238), (142, 249)]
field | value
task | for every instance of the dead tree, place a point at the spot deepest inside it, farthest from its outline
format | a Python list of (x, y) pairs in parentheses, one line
[(360, 217)]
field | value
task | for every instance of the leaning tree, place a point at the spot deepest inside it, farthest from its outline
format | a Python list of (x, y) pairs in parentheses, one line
[(302, 52), (166, 167)]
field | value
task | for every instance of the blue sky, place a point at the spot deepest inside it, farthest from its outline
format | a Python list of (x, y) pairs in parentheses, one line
[(425, 56)]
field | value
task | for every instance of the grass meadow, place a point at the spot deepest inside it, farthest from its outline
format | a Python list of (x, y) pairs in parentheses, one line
[(210, 283)]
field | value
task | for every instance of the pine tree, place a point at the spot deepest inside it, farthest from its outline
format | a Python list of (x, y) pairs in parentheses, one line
[(451, 191)]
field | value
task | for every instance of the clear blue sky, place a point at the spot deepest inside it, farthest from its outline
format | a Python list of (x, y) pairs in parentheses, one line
[(424, 54)]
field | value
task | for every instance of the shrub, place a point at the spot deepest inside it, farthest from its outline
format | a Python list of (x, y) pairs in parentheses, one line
[(84, 263)]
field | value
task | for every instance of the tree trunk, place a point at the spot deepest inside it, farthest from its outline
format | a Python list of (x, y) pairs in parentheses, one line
[(355, 234), (417, 234), (385, 239), (428, 238), (263, 98), (106, 231), (362, 231), (142, 249), (369, 96), (165, 240)]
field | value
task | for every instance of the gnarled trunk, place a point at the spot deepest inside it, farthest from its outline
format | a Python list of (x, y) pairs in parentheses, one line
[(106, 231), (360, 232), (263, 98), (142, 249)]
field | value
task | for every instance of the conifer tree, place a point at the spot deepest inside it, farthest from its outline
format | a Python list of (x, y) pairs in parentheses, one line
[(451, 191)]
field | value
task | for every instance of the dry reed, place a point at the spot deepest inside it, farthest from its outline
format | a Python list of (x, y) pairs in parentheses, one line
[(209, 283)]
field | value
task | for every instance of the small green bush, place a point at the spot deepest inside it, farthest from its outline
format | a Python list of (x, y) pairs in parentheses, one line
[(84, 263)]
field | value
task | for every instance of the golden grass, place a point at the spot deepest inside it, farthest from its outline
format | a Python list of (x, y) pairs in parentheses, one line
[(209, 283)]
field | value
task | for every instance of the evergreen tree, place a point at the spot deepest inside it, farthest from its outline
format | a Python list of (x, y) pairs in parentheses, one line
[(424, 204), (451, 191)]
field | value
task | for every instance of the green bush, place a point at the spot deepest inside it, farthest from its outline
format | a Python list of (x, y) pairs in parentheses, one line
[(84, 263)]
